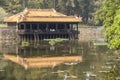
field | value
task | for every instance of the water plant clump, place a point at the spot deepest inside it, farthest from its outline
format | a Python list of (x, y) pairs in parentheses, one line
[(54, 41), (24, 43)]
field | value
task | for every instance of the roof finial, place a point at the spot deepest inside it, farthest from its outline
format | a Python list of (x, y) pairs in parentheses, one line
[(26, 9), (53, 10)]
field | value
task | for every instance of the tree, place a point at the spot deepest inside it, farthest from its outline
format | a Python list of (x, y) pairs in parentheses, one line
[(2, 14), (98, 16), (13, 6), (24, 2), (87, 9), (113, 32), (108, 15), (107, 12)]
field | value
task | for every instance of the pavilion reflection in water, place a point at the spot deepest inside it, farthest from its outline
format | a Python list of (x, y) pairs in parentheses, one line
[(41, 55), (44, 62)]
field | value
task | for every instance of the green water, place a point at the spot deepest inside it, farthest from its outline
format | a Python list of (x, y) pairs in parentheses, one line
[(94, 59)]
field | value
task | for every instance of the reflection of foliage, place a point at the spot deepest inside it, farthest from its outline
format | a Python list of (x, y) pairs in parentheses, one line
[(113, 72), (15, 72), (25, 43), (54, 41), (3, 63)]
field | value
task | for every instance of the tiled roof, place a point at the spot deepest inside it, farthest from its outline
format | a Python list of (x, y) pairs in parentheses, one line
[(41, 15)]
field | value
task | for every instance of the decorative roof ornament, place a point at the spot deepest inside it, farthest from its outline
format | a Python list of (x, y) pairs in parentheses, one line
[(54, 10), (25, 10)]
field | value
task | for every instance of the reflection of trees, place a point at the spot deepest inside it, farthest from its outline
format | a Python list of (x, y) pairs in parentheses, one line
[(3, 64), (41, 48), (15, 72), (112, 68), (93, 59)]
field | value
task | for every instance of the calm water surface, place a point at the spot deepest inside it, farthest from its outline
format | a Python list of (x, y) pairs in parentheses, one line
[(68, 60)]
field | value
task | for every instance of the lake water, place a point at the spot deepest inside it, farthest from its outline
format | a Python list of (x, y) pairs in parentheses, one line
[(67, 60)]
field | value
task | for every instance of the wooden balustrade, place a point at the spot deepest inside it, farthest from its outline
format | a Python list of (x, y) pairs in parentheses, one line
[(46, 31)]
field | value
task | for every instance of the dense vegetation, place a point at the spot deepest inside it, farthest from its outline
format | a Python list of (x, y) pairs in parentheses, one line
[(2, 14), (109, 16)]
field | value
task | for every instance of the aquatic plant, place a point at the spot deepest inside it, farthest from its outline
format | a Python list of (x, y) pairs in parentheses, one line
[(54, 41), (24, 43), (58, 40)]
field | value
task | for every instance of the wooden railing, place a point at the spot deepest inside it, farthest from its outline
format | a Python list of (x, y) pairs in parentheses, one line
[(47, 31)]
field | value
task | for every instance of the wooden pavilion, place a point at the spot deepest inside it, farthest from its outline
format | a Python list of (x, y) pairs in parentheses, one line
[(38, 24)]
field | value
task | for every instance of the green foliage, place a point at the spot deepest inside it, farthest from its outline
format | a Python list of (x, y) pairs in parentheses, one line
[(12, 6), (113, 33), (107, 12), (34, 3), (109, 16), (24, 43), (54, 41), (3, 14), (58, 40)]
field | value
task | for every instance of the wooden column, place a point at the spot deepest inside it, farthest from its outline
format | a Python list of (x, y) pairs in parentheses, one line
[(47, 27), (26, 36), (24, 26), (30, 27), (16, 26), (71, 27), (65, 27), (56, 28), (77, 31), (37, 26), (77, 26)]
